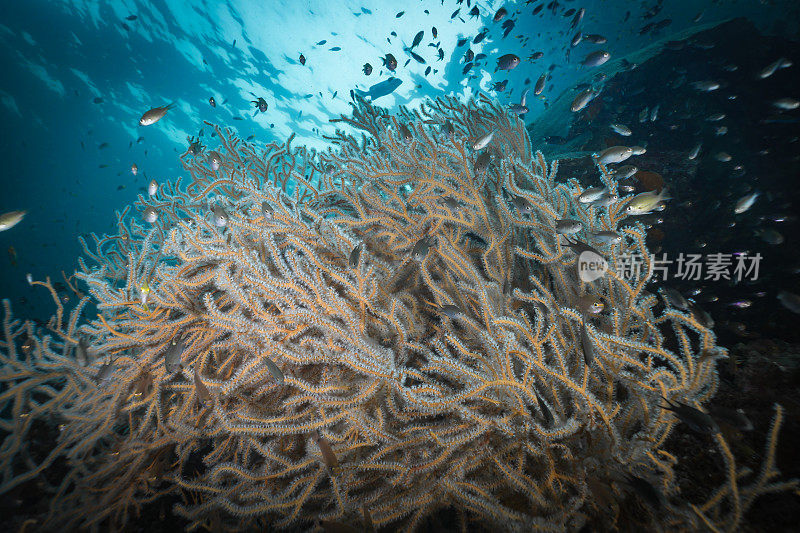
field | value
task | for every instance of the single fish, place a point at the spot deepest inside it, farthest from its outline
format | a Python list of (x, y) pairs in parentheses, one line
[(608, 237), (274, 370), (152, 188), (586, 344), (706, 86), (389, 62), (417, 39), (507, 62), (694, 418), (745, 202), (539, 87), (695, 151), (568, 226), (154, 115), (595, 59), (621, 129), (367, 68), (591, 194), (134, 169), (10, 219), (328, 456), (219, 216), (405, 134), (150, 215), (646, 202), (451, 311), (582, 100), (787, 104), (614, 154), (203, 394), (214, 159), (482, 163), (212, 102), (790, 301), (421, 247), (172, 357), (500, 14), (484, 141), (355, 255)]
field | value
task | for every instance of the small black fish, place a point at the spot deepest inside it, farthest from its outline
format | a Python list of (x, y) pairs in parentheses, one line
[(416, 57), (390, 62), (427, 71), (478, 38), (537, 9), (500, 14), (645, 489), (475, 12), (355, 255), (455, 13), (125, 26), (302, 59), (434, 32), (367, 69), (98, 100), (417, 39), (399, 15), (469, 56), (366, 11), (212, 102), (475, 237), (694, 418), (131, 17), (323, 41), (335, 48), (466, 68)]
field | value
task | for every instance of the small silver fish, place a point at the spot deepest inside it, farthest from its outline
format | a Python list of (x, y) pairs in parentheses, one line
[(214, 159), (723, 157), (484, 141), (421, 248), (219, 217), (787, 104), (625, 172), (451, 311), (591, 194), (695, 151), (539, 87), (154, 115), (150, 215), (582, 100), (770, 69), (706, 86), (274, 370), (621, 129), (172, 358), (608, 237), (152, 188), (638, 150), (595, 59), (10, 219), (614, 154), (568, 226), (745, 202)]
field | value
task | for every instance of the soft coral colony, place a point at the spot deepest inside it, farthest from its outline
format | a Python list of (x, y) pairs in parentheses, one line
[(367, 336)]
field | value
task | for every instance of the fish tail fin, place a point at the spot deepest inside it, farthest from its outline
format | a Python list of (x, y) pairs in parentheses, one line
[(170, 105), (665, 194)]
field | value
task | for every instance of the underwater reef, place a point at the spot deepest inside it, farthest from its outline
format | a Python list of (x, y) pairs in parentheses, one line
[(370, 336)]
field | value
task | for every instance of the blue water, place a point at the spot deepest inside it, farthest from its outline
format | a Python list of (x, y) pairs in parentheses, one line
[(56, 58)]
